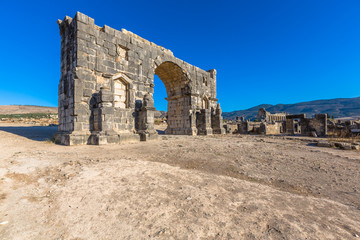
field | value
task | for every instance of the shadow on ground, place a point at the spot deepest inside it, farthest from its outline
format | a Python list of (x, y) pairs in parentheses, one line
[(37, 133), (160, 132)]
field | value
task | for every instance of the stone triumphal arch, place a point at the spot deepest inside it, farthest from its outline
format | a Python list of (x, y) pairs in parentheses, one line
[(106, 87)]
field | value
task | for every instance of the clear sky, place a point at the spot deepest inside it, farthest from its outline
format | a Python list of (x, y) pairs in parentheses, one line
[(264, 51)]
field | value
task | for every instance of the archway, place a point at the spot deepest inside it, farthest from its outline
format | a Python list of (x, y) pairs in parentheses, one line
[(111, 87), (178, 99)]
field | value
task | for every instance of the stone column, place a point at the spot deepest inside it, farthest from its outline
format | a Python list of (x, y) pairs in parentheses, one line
[(146, 119), (104, 119), (192, 117), (204, 122), (217, 121)]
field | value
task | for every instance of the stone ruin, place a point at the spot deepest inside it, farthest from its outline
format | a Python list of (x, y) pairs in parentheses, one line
[(107, 84), (267, 123), (266, 116), (283, 123), (300, 124), (344, 127)]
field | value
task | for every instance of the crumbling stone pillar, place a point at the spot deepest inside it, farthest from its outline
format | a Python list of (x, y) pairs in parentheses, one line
[(217, 121), (104, 119), (204, 122), (192, 117), (146, 119)]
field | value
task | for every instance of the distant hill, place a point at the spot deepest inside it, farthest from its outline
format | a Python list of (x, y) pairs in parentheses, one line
[(21, 109), (338, 107), (160, 114)]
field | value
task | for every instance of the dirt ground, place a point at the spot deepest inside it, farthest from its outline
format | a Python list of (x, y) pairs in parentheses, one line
[(176, 187)]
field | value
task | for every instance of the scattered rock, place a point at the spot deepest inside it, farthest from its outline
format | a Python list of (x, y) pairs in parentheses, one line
[(342, 145), (356, 147), (313, 134), (324, 144)]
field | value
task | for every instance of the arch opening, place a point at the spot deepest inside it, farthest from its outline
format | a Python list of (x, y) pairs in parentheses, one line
[(178, 101)]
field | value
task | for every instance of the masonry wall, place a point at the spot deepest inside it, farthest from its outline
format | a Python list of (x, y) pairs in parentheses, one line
[(233, 128), (242, 127), (247, 127), (318, 124), (66, 85), (272, 128)]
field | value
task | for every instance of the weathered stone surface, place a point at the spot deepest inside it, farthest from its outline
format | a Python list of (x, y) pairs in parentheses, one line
[(325, 144), (343, 145), (110, 71), (356, 147)]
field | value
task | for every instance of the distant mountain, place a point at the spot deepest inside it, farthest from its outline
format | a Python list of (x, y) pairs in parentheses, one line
[(338, 107)]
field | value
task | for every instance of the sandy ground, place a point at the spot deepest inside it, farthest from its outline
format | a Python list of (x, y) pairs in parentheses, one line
[(177, 187)]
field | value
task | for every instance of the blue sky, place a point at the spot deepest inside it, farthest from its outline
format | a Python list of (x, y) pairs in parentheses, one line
[(264, 51)]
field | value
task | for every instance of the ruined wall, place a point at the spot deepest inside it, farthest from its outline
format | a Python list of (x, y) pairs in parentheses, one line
[(295, 123), (242, 127), (233, 128), (318, 124), (307, 126), (247, 127), (289, 126), (271, 128), (95, 58), (266, 116)]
